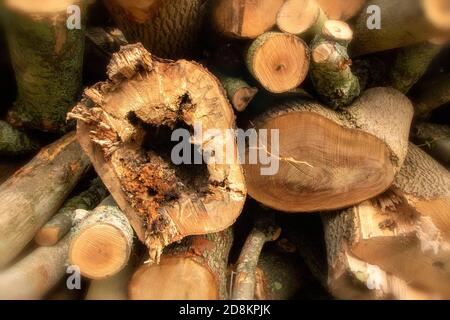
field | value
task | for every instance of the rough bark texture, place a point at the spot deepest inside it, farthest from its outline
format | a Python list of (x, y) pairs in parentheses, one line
[(403, 23), (47, 58), (58, 226), (196, 268), (14, 142), (164, 202), (239, 92), (354, 157), (435, 140), (167, 28), (46, 180), (244, 283), (432, 94), (102, 243)]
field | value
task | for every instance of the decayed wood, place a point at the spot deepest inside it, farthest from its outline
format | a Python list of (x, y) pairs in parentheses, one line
[(341, 9), (14, 142), (194, 269), (406, 230), (102, 242), (163, 202), (58, 226), (244, 283), (245, 19), (167, 28), (403, 23), (35, 192), (432, 94), (47, 58), (330, 160), (279, 61), (435, 140)]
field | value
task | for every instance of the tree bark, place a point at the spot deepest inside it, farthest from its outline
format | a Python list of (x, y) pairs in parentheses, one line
[(406, 230), (58, 226), (194, 269), (239, 92), (435, 140), (102, 243), (278, 61), (47, 58), (46, 180), (336, 159), (164, 202), (14, 142)]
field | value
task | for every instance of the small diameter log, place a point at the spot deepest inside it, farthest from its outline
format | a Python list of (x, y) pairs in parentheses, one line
[(332, 77), (405, 231), (118, 128), (435, 140), (326, 159), (386, 24), (303, 18), (278, 61), (14, 142), (102, 243), (244, 283), (47, 58), (430, 95), (58, 226), (167, 28), (245, 19), (239, 92), (341, 9), (35, 192), (194, 269)]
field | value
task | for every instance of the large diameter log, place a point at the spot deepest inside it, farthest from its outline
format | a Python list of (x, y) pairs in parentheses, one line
[(194, 269), (326, 159), (245, 19), (35, 192), (435, 140), (341, 9), (431, 95), (47, 58), (102, 243), (167, 28), (164, 202), (14, 142), (279, 61), (402, 23), (405, 231)]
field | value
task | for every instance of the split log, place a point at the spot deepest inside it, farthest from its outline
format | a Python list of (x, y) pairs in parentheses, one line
[(303, 18), (244, 283), (58, 226), (245, 19), (14, 142), (402, 23), (239, 92), (102, 243), (338, 159), (47, 58), (119, 132), (435, 140), (405, 231), (431, 94), (194, 269), (46, 180), (279, 61), (341, 9), (167, 28)]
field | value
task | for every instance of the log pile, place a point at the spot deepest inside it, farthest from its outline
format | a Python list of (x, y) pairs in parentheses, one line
[(228, 149)]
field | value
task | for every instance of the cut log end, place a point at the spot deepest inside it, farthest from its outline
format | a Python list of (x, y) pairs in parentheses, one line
[(438, 12), (297, 16), (338, 31)]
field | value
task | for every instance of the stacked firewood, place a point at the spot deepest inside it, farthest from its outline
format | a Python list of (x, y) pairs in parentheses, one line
[(354, 93)]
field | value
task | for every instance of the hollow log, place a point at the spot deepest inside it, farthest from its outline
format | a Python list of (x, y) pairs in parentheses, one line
[(46, 180), (435, 140), (406, 230), (194, 269), (167, 28), (430, 95), (338, 159), (278, 61), (245, 19), (47, 58), (341, 9), (402, 23), (102, 243), (119, 132), (14, 142), (58, 226)]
